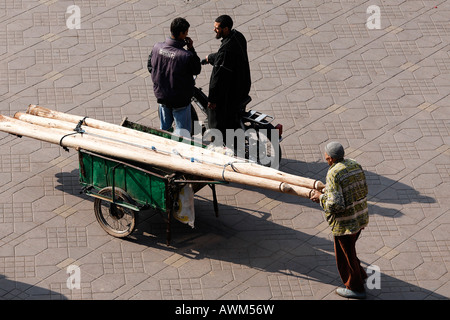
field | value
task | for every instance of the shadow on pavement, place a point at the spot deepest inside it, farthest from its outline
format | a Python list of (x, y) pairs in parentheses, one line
[(16, 290), (249, 239), (381, 189)]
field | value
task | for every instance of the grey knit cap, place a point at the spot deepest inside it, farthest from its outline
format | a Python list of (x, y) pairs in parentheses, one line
[(335, 150)]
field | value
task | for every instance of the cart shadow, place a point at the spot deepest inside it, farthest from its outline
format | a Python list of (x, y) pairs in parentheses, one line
[(69, 182)]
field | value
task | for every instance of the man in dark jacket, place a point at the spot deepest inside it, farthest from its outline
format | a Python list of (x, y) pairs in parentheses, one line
[(172, 68), (230, 79)]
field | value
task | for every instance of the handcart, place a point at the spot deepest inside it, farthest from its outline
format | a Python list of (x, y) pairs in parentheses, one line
[(122, 189)]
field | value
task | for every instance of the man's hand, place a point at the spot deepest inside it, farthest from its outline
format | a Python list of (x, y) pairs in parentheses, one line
[(315, 196), (211, 105), (189, 42)]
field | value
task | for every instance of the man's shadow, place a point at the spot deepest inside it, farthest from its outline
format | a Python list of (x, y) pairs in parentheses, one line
[(381, 188)]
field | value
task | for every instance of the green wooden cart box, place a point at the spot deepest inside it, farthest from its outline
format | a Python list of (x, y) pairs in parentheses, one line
[(122, 188)]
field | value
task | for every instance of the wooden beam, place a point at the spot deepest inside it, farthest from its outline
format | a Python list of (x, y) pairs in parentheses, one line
[(71, 139), (239, 165)]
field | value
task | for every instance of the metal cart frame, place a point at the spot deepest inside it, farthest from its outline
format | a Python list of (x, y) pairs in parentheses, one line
[(122, 188)]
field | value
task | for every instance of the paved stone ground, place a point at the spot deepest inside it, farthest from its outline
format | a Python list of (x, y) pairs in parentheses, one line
[(323, 74)]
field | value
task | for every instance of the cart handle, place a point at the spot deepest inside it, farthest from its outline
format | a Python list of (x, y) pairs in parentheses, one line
[(119, 203)]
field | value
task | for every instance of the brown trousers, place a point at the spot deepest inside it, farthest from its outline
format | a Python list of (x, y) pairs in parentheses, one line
[(352, 274)]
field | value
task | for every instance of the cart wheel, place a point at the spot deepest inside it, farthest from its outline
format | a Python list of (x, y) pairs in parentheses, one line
[(116, 220)]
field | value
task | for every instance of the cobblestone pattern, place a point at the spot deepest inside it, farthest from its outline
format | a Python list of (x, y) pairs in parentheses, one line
[(384, 93)]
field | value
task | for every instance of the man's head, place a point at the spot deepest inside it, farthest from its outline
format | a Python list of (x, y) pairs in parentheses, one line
[(223, 26), (179, 28), (334, 152)]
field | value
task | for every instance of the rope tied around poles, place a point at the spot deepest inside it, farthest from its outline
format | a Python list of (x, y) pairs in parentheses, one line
[(231, 164), (77, 130)]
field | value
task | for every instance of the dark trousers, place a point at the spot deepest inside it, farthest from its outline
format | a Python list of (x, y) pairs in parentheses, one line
[(222, 118), (352, 274)]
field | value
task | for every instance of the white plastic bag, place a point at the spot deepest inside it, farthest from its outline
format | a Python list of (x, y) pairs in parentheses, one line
[(186, 211)]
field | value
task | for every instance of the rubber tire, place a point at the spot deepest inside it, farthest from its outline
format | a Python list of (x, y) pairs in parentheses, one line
[(118, 214)]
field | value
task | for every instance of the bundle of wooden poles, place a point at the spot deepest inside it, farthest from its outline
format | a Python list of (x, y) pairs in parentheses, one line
[(126, 143)]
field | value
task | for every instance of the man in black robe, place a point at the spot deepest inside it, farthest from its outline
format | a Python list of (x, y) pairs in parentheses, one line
[(230, 79)]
